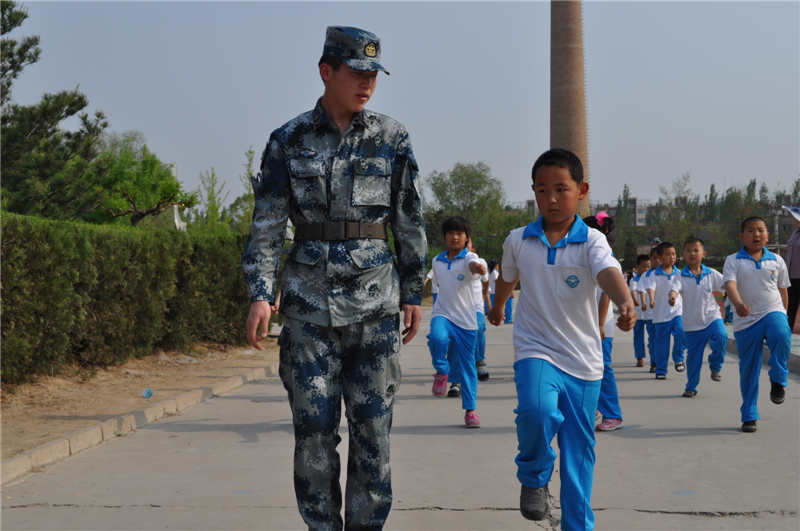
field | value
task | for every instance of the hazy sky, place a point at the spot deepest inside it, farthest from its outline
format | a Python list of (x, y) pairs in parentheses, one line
[(711, 89)]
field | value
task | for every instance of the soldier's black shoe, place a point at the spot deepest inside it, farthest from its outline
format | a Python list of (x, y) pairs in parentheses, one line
[(534, 502), (749, 426), (778, 393)]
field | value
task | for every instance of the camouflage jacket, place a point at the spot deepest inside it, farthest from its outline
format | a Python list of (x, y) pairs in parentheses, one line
[(311, 172)]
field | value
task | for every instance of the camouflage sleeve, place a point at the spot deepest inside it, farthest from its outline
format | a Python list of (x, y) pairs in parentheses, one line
[(407, 223), (263, 251)]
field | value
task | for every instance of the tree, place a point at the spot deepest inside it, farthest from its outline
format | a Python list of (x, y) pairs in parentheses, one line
[(239, 214), (466, 189), (14, 56)]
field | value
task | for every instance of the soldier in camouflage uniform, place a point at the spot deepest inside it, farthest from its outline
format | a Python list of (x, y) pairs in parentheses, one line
[(341, 174)]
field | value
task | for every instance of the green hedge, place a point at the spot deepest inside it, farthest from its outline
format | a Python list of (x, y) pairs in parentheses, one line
[(100, 294)]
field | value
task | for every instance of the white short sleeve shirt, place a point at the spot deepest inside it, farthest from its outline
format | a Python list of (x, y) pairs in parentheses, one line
[(662, 283), (456, 299), (758, 283), (477, 287), (432, 277), (556, 318), (645, 283), (700, 308), (493, 276)]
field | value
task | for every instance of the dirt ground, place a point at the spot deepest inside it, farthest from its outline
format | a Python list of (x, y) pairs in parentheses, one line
[(51, 407)]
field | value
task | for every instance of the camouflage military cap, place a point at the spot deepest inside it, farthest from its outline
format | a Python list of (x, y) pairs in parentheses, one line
[(359, 49)]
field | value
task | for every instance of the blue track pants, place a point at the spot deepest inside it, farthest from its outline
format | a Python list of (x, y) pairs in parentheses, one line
[(638, 340), (651, 339), (664, 331), (716, 337), (608, 403), (550, 403), (460, 367), (774, 328)]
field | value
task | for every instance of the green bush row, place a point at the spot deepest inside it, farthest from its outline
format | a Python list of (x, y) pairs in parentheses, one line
[(100, 294)]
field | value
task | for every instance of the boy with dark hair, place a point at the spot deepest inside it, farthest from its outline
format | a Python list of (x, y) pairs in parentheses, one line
[(559, 359), (756, 281), (667, 311), (702, 320), (454, 324), (642, 265), (645, 284)]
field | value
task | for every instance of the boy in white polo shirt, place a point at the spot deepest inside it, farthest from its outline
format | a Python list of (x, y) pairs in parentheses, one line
[(642, 308), (559, 359), (667, 311), (756, 282), (645, 283), (453, 322), (480, 292), (702, 319)]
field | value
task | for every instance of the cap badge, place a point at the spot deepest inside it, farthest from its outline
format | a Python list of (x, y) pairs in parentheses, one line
[(371, 49)]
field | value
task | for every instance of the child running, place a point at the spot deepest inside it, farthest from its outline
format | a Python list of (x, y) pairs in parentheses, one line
[(559, 360), (453, 323), (756, 281), (642, 308), (667, 311), (702, 319)]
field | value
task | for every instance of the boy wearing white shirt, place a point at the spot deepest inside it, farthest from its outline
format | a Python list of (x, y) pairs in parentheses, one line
[(454, 323), (667, 311), (702, 320), (434, 284), (480, 292), (756, 282), (642, 308), (645, 283), (559, 360)]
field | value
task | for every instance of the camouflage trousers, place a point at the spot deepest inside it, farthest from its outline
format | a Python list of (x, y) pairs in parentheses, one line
[(319, 366)]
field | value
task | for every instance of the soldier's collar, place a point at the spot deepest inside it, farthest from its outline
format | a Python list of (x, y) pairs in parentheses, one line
[(321, 119)]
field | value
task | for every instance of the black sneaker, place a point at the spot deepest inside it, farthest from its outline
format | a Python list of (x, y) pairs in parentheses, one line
[(455, 390), (689, 393), (483, 371), (749, 426), (717, 377), (661, 376), (778, 393), (534, 503), (680, 366), (652, 367)]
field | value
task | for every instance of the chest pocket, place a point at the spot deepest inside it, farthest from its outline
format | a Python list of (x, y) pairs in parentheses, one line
[(371, 182), (574, 283), (308, 182)]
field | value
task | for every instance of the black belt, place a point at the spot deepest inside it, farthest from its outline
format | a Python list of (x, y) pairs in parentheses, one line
[(339, 230)]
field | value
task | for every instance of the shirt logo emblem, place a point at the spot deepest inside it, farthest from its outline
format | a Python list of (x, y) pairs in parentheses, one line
[(572, 281), (371, 49), (772, 276), (460, 276)]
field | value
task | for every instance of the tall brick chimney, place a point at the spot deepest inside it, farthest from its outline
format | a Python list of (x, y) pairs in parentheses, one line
[(567, 84)]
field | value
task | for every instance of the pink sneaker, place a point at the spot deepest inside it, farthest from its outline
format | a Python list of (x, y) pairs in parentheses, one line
[(472, 420), (439, 384), (609, 425)]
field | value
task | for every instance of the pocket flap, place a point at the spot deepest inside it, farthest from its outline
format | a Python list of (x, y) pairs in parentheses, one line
[(305, 252), (368, 255), (306, 167), (372, 166)]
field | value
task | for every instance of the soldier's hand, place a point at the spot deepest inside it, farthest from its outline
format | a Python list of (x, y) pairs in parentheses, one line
[(258, 321), (412, 317)]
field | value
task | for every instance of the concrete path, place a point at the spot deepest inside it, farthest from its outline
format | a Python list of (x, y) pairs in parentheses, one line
[(225, 464)]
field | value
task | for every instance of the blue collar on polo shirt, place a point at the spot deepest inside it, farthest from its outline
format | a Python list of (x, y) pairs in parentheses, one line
[(578, 233), (743, 254), (660, 271), (637, 276), (704, 272), (443, 257)]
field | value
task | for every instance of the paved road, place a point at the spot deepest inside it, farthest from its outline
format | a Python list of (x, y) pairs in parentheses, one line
[(225, 464)]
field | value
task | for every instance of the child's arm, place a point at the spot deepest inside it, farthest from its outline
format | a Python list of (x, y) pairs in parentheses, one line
[(742, 309), (612, 283), (651, 294), (602, 312), (486, 300), (477, 268), (784, 298), (502, 290)]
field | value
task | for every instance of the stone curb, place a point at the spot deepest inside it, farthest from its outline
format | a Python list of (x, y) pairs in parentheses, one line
[(15, 467)]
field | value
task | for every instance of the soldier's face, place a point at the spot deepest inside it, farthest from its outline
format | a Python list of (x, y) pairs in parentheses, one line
[(349, 90)]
